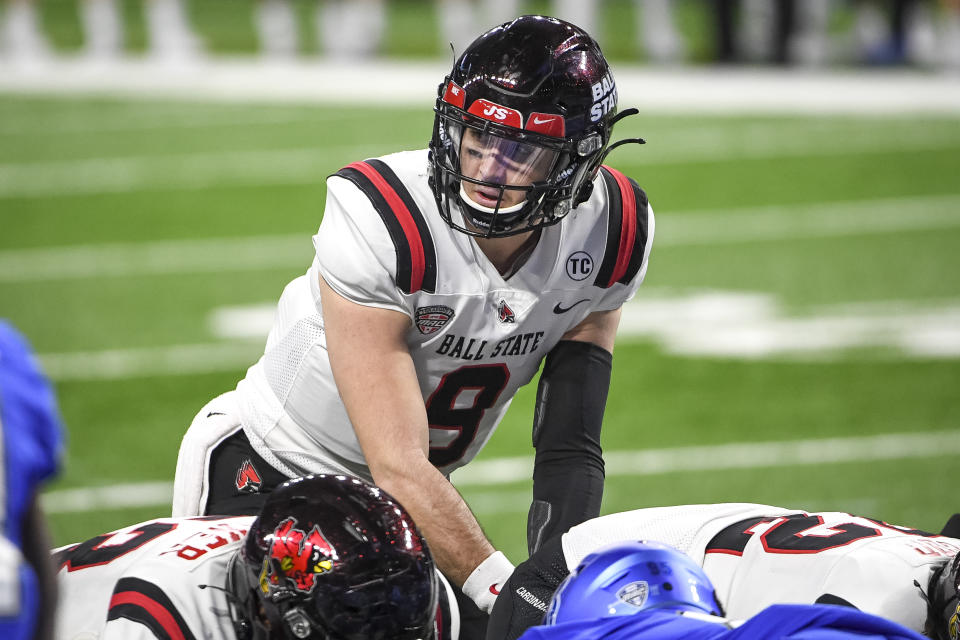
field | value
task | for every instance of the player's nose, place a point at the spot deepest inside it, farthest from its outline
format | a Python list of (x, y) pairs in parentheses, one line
[(493, 170)]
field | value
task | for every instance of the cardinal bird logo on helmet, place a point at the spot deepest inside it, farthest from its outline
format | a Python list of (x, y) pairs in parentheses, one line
[(297, 557)]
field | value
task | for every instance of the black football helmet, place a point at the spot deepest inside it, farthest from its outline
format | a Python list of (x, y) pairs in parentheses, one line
[(333, 558), (944, 601), (524, 119)]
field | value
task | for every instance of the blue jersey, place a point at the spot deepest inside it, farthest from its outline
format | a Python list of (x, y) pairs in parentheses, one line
[(777, 622), (31, 441)]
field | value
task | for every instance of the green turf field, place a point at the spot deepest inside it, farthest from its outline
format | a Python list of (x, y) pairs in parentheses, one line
[(226, 26), (124, 225)]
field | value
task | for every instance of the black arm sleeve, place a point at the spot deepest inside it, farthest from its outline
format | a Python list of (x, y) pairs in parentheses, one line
[(525, 596), (568, 471)]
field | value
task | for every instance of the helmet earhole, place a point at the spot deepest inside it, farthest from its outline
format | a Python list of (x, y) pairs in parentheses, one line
[(297, 623)]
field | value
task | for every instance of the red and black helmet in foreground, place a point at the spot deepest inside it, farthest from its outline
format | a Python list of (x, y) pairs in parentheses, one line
[(536, 92), (333, 558)]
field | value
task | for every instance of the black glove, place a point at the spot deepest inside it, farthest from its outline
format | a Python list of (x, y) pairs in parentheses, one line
[(524, 598)]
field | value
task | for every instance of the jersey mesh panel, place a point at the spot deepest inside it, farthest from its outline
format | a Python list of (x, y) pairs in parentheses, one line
[(678, 528), (668, 528), (282, 363)]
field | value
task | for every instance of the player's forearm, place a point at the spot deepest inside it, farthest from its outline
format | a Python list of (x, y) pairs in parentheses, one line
[(568, 471), (564, 496), (456, 540)]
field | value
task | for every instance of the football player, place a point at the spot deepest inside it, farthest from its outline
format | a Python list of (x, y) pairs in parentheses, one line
[(650, 590), (31, 445), (443, 278), (758, 555), (327, 557)]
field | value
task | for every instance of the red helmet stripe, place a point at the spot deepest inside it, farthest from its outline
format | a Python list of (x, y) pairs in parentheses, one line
[(628, 226), (417, 253), (494, 112)]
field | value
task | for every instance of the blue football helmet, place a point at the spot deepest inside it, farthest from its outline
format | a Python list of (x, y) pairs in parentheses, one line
[(629, 577)]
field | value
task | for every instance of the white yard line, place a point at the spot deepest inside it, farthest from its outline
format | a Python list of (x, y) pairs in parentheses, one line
[(674, 228), (502, 471), (696, 323), (694, 89), (749, 455), (178, 171), (210, 255), (744, 325), (201, 170), (734, 324), (714, 324), (176, 360), (140, 117), (812, 220), (118, 496)]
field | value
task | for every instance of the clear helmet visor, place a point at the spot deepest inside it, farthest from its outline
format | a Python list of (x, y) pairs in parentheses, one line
[(497, 172)]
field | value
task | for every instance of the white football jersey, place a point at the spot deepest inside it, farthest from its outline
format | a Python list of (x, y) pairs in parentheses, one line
[(145, 581), (475, 337), (757, 555), (164, 578)]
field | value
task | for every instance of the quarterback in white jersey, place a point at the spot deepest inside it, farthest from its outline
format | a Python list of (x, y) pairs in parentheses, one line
[(443, 279), (289, 570), (757, 555)]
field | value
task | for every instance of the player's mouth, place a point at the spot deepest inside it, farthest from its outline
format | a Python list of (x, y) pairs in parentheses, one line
[(487, 197)]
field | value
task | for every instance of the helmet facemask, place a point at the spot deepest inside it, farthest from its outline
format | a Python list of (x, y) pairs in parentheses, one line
[(504, 181), (535, 92), (367, 606)]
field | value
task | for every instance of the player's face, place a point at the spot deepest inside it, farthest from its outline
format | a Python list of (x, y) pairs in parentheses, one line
[(502, 161)]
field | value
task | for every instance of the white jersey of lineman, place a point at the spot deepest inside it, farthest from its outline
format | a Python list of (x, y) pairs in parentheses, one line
[(474, 337), (164, 578), (757, 555), (144, 581)]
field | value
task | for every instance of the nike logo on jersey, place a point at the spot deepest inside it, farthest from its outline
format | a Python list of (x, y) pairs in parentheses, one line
[(559, 309), (538, 120)]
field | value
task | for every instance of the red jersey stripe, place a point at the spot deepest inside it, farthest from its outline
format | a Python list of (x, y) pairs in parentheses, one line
[(154, 608), (628, 226), (417, 253)]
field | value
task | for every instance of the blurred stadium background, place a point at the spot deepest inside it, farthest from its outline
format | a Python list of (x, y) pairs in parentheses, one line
[(797, 341)]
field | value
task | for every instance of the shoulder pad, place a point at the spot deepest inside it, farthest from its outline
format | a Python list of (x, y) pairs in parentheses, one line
[(416, 255)]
